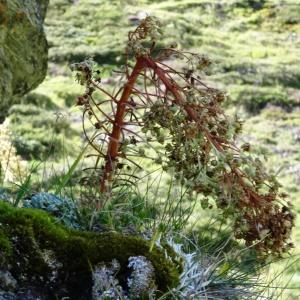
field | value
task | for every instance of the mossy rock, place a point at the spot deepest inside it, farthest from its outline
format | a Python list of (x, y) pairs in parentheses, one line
[(58, 262), (24, 49)]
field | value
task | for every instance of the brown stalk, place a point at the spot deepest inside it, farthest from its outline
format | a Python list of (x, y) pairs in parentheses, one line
[(114, 140)]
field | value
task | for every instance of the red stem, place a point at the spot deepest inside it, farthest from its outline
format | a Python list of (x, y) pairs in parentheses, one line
[(114, 141), (173, 88), (118, 123)]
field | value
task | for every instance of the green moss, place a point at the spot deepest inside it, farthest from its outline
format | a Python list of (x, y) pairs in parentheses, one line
[(5, 247), (33, 233)]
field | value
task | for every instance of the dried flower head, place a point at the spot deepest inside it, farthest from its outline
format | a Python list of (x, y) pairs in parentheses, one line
[(12, 167)]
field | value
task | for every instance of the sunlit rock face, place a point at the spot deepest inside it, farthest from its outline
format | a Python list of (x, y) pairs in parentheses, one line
[(23, 49)]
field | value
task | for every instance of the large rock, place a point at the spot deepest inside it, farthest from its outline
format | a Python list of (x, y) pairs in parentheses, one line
[(40, 259), (23, 49)]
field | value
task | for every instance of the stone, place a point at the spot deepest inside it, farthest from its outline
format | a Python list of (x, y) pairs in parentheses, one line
[(50, 261), (23, 49)]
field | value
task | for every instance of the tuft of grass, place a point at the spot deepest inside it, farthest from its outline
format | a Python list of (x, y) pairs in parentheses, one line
[(225, 274)]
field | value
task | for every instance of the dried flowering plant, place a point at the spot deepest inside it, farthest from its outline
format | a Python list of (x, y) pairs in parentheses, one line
[(12, 167), (175, 115)]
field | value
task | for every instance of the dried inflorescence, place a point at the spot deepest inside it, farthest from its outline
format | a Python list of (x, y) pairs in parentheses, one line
[(148, 30), (177, 116), (12, 167), (271, 226)]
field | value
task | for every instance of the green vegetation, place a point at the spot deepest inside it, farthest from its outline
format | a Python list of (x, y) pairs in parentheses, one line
[(255, 47), (37, 133), (29, 234)]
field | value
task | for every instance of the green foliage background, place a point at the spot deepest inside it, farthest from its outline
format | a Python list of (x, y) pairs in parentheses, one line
[(255, 46)]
